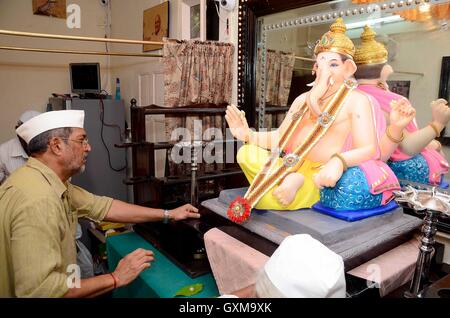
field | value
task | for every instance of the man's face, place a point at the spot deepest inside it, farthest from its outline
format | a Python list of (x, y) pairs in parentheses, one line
[(76, 151)]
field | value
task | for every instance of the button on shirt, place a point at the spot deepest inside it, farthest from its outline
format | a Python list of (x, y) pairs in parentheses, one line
[(12, 157), (38, 219)]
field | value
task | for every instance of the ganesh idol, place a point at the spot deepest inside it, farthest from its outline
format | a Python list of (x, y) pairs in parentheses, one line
[(326, 149), (417, 156)]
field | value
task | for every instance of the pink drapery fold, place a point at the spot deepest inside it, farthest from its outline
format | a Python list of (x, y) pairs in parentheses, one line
[(437, 164), (380, 178)]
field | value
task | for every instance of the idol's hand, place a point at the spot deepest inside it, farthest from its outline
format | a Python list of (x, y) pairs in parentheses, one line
[(440, 112), (237, 123), (330, 173), (402, 113)]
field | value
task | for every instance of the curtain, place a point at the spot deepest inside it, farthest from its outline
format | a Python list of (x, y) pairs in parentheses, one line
[(279, 70), (196, 72)]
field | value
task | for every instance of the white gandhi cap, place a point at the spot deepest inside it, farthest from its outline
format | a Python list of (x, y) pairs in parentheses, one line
[(303, 267), (26, 116), (50, 120)]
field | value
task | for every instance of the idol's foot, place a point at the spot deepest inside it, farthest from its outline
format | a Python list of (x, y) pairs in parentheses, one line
[(285, 192)]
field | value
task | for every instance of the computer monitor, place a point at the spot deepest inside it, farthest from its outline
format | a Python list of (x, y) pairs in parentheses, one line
[(85, 78)]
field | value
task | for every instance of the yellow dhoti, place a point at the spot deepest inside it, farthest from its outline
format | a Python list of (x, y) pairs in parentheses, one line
[(252, 159)]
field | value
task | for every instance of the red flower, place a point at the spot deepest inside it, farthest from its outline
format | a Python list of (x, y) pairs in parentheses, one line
[(239, 210)]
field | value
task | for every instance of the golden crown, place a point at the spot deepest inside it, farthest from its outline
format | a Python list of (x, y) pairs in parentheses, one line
[(335, 40), (370, 51)]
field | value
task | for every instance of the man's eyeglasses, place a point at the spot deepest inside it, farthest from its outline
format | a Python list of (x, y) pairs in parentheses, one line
[(84, 142)]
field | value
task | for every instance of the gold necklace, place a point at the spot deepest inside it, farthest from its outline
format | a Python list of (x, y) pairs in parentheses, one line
[(322, 99)]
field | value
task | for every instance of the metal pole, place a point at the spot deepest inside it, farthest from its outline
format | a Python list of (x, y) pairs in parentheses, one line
[(27, 49), (75, 38), (421, 272)]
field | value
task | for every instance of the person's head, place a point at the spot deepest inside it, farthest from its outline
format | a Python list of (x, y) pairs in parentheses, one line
[(26, 116), (371, 58), (60, 136), (334, 63), (302, 267)]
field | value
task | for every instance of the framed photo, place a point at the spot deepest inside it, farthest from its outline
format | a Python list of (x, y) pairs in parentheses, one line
[(400, 87), (444, 84), (193, 13), (50, 8), (444, 92), (156, 26)]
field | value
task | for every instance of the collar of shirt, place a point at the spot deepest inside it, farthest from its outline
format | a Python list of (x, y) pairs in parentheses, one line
[(52, 178), (17, 150)]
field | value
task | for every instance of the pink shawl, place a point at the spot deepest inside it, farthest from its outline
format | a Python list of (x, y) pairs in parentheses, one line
[(437, 164), (380, 178)]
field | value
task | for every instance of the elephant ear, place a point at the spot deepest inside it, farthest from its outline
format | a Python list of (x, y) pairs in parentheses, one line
[(350, 68)]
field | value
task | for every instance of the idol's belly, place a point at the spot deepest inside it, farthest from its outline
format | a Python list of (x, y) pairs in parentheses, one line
[(332, 142)]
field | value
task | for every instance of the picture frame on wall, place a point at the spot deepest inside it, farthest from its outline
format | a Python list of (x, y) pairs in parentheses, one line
[(50, 8), (156, 26), (444, 92), (400, 87)]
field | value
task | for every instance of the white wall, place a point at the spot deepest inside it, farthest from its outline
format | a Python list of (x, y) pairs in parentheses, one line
[(422, 52), (28, 79)]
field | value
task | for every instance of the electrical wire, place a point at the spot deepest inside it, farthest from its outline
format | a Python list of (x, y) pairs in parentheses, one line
[(102, 119), (218, 14)]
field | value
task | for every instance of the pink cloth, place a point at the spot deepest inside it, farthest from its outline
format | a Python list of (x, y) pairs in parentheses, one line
[(391, 269), (380, 178), (437, 164), (234, 264)]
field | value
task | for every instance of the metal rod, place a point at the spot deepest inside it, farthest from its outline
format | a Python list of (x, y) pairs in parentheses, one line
[(422, 269), (27, 49), (76, 38), (304, 58), (412, 73)]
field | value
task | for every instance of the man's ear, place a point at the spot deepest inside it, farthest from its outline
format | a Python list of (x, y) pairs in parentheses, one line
[(350, 68), (55, 146)]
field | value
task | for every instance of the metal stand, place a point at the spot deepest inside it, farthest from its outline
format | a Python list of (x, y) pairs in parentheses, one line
[(422, 270), (433, 204), (196, 147)]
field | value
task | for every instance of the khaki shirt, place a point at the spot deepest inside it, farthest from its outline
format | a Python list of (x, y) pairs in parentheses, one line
[(38, 220)]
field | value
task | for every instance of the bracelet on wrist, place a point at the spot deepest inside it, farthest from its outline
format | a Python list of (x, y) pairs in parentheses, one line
[(436, 130), (166, 216), (114, 279), (340, 157), (391, 138)]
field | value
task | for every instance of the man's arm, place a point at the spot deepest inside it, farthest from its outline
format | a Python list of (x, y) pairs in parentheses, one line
[(122, 212), (127, 270)]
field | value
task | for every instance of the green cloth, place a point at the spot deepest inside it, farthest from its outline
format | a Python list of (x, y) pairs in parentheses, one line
[(38, 219), (162, 279)]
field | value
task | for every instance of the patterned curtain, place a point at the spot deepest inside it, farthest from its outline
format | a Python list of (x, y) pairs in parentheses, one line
[(279, 70), (196, 72)]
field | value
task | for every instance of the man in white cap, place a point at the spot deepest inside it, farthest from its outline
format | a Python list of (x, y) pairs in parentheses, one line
[(13, 153), (39, 210), (301, 267)]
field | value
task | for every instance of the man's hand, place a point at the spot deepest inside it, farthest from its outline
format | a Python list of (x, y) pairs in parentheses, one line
[(402, 113), (184, 212), (237, 123), (329, 174), (440, 112), (131, 266)]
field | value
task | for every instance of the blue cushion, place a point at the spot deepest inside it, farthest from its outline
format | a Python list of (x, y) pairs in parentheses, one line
[(351, 216)]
